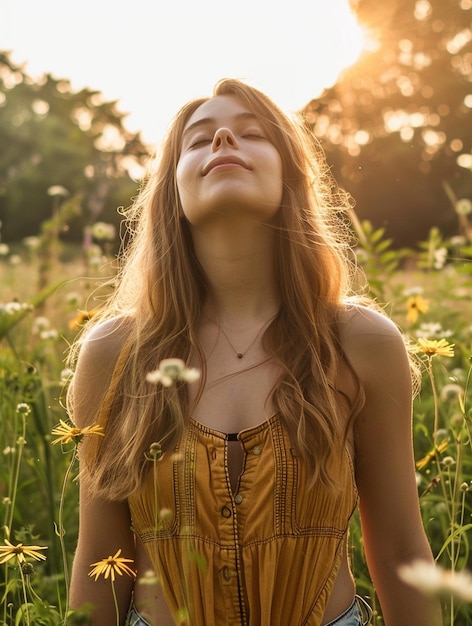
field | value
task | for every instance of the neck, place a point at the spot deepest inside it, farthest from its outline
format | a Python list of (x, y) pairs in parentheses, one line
[(239, 266)]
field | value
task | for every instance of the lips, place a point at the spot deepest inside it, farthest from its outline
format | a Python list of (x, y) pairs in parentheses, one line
[(223, 160)]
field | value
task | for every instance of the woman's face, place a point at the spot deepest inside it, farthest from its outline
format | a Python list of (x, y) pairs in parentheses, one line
[(227, 164)]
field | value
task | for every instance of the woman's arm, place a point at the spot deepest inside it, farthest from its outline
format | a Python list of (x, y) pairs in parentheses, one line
[(104, 526), (392, 528), (104, 529)]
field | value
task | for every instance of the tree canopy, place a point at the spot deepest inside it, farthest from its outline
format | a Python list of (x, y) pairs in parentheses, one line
[(59, 142), (397, 125), (396, 128)]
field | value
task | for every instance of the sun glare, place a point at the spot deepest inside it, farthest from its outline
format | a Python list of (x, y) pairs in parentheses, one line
[(292, 50), (347, 39), (336, 41)]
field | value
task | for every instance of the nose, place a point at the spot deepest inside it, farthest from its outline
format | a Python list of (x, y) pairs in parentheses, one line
[(224, 137)]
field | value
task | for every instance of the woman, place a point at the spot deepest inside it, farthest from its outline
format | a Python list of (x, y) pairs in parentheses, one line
[(233, 494)]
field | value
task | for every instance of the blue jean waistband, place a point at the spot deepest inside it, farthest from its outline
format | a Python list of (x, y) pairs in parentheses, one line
[(358, 614)]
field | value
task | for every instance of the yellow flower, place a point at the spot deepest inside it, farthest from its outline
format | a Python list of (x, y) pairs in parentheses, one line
[(414, 306), (81, 319), (111, 566), (434, 347), (439, 449), (20, 551), (68, 433)]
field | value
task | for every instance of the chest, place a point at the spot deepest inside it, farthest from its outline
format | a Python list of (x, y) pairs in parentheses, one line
[(237, 395)]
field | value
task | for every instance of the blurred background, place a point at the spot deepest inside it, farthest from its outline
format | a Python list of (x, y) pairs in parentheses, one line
[(87, 91)]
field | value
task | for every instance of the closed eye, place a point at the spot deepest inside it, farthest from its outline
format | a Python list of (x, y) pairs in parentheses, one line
[(199, 142), (253, 134)]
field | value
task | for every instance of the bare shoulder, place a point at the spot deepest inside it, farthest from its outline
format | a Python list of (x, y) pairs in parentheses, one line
[(96, 362), (105, 340), (371, 341)]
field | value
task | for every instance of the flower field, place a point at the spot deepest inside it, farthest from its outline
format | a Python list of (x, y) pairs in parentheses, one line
[(48, 291)]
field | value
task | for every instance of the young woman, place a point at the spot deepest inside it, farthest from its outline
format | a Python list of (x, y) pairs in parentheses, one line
[(233, 494)]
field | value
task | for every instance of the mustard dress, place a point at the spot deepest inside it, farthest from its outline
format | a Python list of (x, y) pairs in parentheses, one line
[(264, 554)]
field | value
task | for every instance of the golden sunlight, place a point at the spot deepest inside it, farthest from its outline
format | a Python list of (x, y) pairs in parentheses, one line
[(346, 38), (328, 40)]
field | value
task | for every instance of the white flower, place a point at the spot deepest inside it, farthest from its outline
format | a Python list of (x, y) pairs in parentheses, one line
[(45, 335), (4, 249), (32, 243), (431, 329), (40, 324), (434, 581), (457, 241), (23, 408), (103, 231), (440, 256), (451, 390), (171, 371), (463, 206), (72, 297), (66, 374), (57, 190), (413, 291)]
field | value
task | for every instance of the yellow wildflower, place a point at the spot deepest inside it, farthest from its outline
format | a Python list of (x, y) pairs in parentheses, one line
[(435, 347), (81, 319), (20, 552), (68, 433), (111, 566), (415, 305)]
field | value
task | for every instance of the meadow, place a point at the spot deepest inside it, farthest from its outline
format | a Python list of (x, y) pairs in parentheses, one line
[(48, 291)]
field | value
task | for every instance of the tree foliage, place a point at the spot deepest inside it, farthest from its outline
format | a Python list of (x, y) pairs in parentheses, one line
[(397, 126), (53, 137)]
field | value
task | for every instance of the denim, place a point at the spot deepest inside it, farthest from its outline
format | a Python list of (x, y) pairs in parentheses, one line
[(135, 619), (358, 614), (352, 617)]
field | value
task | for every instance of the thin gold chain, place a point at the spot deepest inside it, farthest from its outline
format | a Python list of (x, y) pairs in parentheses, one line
[(240, 354)]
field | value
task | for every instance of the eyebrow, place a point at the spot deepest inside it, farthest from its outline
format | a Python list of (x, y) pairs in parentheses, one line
[(206, 121)]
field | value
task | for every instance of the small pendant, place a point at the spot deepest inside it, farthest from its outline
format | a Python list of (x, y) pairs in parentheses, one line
[(239, 355)]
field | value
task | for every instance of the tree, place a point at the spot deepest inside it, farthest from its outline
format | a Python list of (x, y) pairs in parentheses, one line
[(397, 125), (52, 136)]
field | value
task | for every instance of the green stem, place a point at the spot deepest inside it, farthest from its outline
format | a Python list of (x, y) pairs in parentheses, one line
[(16, 473), (156, 496), (436, 428), (115, 600), (61, 531), (25, 595)]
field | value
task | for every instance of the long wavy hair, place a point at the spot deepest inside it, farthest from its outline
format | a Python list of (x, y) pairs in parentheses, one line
[(161, 289)]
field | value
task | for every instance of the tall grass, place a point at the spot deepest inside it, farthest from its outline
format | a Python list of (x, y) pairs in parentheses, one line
[(427, 292)]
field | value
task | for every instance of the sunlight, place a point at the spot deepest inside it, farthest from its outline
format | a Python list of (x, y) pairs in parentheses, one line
[(292, 50), (346, 38), (337, 41)]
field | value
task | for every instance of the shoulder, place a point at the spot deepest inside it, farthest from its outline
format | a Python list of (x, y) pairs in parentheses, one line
[(359, 320), (98, 354), (372, 342), (106, 339)]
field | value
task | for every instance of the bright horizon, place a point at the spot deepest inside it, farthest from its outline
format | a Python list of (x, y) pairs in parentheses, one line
[(152, 59)]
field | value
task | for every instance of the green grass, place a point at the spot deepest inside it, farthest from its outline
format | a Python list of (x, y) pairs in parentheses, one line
[(40, 497)]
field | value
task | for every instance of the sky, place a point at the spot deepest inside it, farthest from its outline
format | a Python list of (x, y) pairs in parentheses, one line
[(154, 55)]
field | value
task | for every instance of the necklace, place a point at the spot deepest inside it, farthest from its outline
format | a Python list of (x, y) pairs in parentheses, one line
[(239, 353)]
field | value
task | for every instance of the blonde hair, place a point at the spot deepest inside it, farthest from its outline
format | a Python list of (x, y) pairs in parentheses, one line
[(161, 289)]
